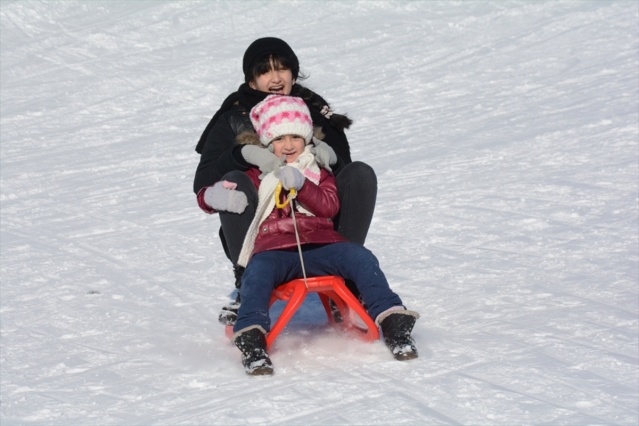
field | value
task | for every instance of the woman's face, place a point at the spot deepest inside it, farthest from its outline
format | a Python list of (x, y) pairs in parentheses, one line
[(277, 80), (289, 146)]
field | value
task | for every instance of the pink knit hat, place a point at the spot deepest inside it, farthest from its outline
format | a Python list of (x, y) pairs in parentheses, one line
[(279, 115)]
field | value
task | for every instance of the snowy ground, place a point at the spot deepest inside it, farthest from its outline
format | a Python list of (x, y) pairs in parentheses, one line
[(505, 136)]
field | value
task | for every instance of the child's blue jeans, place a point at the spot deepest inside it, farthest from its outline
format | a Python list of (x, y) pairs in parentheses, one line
[(268, 269)]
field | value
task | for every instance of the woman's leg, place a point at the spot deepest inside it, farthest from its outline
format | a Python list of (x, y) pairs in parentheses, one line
[(235, 226), (232, 233), (357, 192)]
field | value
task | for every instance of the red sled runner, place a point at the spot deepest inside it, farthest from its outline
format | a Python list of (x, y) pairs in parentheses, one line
[(328, 288)]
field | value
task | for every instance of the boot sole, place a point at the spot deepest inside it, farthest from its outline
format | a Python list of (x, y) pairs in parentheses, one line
[(261, 371), (406, 356)]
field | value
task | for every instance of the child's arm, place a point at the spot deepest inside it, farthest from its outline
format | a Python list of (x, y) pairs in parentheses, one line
[(321, 200)]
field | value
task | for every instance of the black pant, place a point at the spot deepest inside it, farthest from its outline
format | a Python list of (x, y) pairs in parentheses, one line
[(356, 190)]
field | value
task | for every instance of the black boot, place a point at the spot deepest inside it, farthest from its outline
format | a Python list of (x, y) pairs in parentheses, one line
[(396, 327), (252, 343), (228, 314)]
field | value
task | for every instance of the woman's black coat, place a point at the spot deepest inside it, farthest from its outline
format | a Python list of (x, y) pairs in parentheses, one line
[(218, 148)]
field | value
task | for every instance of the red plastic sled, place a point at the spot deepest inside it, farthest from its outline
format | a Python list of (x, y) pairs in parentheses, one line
[(327, 287)]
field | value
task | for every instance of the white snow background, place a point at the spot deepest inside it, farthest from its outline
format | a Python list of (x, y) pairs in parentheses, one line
[(505, 138)]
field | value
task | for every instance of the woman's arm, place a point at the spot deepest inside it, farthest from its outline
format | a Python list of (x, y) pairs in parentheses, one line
[(218, 155)]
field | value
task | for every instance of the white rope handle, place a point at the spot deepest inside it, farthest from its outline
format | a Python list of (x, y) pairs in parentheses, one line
[(297, 238)]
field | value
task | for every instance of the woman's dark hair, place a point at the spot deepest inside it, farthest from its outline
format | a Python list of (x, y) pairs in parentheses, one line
[(268, 62)]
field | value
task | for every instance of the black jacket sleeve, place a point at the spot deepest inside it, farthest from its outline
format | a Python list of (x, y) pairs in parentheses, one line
[(220, 153)]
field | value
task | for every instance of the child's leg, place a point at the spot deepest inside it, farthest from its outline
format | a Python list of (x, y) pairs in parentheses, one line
[(264, 272), (355, 262)]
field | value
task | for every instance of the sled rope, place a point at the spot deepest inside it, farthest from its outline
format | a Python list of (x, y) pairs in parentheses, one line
[(292, 193)]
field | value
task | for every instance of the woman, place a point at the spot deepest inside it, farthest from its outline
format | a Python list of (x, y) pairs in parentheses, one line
[(271, 67)]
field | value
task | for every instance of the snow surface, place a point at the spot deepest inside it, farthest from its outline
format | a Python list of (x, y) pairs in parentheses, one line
[(505, 137)]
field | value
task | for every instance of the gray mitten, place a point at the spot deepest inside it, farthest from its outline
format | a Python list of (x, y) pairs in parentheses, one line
[(324, 154), (291, 177), (223, 197), (262, 158)]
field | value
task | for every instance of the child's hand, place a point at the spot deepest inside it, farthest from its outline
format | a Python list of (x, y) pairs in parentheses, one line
[(291, 177), (224, 198)]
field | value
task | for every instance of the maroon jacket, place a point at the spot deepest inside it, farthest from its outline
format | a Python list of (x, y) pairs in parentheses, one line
[(277, 231)]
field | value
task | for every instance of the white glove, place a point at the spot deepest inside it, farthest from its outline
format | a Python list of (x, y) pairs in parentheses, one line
[(262, 158), (324, 154), (291, 177), (223, 197)]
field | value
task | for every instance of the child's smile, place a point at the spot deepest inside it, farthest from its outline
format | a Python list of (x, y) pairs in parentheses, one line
[(289, 146)]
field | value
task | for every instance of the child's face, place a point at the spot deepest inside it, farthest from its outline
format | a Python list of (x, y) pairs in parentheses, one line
[(290, 146)]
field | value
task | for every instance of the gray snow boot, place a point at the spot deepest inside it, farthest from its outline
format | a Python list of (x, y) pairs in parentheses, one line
[(396, 326), (252, 343), (228, 314)]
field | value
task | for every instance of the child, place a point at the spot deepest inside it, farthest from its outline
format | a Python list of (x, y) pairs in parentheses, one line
[(283, 124)]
